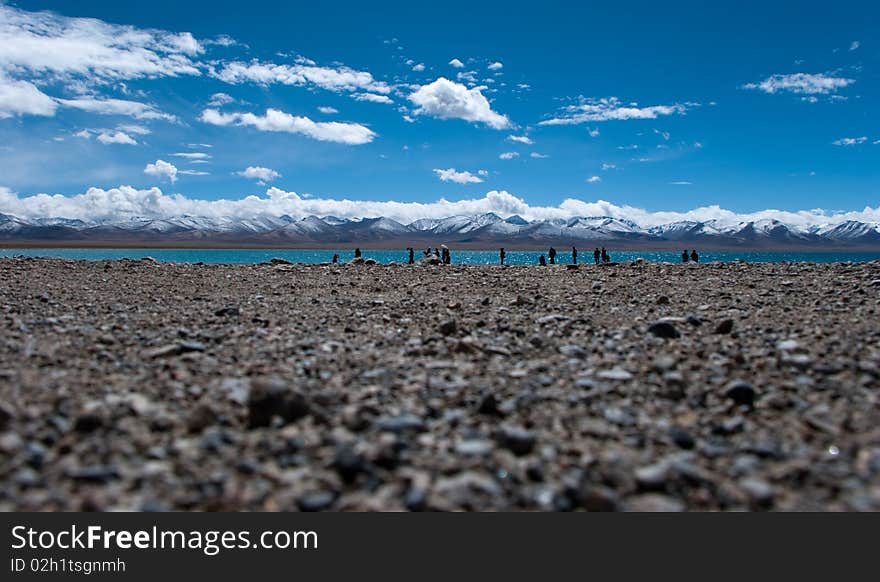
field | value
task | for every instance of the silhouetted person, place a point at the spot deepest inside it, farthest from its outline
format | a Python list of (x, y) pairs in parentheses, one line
[(596, 255), (542, 261), (502, 254), (335, 259), (574, 256), (446, 258), (552, 254), (694, 256), (357, 253), (684, 256), (428, 252), (412, 258), (605, 257)]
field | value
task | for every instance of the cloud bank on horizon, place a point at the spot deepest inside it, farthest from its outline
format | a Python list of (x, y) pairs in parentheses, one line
[(125, 203)]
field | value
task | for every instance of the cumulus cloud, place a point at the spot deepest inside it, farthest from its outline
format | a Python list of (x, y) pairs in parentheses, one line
[(521, 139), (162, 169), (850, 141), (801, 83), (220, 99), (23, 98), (594, 179), (508, 155), (192, 155), (275, 120), (328, 110), (259, 173), (450, 100), (456, 63), (116, 137), (418, 68), (116, 107), (451, 175), (372, 97), (593, 132), (56, 47), (125, 202), (495, 66), (611, 109), (854, 45), (331, 78)]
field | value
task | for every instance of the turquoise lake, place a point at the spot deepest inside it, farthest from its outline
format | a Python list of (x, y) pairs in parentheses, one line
[(387, 256)]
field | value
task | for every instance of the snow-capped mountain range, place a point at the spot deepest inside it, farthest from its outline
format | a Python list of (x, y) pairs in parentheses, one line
[(485, 230)]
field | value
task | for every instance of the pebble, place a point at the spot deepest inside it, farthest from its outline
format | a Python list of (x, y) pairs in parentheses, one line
[(664, 329)]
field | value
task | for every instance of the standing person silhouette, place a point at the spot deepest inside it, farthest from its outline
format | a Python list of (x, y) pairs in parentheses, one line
[(574, 256), (412, 258), (684, 256), (694, 256), (542, 261), (502, 254), (605, 257), (596, 255), (335, 259), (357, 253), (552, 254)]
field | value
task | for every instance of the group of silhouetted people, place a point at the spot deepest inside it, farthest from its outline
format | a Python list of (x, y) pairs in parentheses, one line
[(600, 256), (693, 256)]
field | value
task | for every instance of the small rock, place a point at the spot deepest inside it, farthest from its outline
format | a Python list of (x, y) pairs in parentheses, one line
[(88, 422), (274, 397), (663, 300), (614, 374), (318, 501), (725, 327), (741, 392), (681, 437), (654, 502), (99, 474), (349, 464), (201, 418), (474, 447), (7, 415), (448, 327), (402, 423), (516, 439), (227, 311), (663, 329)]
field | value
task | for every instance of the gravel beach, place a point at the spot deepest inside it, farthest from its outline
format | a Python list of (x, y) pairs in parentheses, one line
[(136, 385)]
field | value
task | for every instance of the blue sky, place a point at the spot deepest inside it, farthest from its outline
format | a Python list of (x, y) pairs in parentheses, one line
[(669, 107)]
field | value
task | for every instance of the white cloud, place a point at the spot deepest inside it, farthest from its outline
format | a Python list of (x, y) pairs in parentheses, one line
[(801, 83), (593, 132), (328, 110), (456, 63), (331, 78), (126, 202), (606, 166), (451, 175), (162, 169), (140, 130), (594, 179), (495, 66), (116, 137), (850, 141), (275, 120), (116, 107), (521, 139), (418, 68), (854, 45), (509, 155), (23, 98), (450, 100), (372, 97), (193, 172), (56, 47), (538, 156), (220, 99), (611, 109), (192, 155), (681, 183), (259, 173)]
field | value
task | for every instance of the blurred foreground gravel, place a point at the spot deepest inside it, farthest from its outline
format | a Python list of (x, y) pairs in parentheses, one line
[(143, 386)]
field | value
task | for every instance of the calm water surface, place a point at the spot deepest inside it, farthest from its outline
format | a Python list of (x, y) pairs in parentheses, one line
[(458, 257)]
